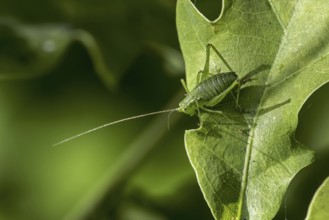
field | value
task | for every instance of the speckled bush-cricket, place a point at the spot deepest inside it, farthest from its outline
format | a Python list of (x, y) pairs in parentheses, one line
[(210, 90)]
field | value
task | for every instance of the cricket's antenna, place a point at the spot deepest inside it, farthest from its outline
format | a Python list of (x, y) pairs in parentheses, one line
[(112, 123)]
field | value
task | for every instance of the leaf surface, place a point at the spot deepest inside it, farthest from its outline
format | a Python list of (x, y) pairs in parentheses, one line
[(319, 205), (244, 162)]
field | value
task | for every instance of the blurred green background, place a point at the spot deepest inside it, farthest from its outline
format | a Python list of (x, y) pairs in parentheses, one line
[(68, 66)]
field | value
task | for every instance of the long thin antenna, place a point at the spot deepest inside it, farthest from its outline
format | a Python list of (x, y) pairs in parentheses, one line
[(112, 123)]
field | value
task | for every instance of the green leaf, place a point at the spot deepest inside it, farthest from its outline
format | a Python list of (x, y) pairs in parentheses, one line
[(320, 204), (30, 50), (113, 32), (283, 10), (244, 162)]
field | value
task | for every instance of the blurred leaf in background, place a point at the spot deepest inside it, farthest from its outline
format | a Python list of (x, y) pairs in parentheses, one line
[(113, 32), (68, 66)]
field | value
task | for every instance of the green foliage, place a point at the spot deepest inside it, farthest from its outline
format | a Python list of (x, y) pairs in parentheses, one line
[(67, 56), (244, 162), (31, 50), (319, 206), (110, 31), (62, 47)]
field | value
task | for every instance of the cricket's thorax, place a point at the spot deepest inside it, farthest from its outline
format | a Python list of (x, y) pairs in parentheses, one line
[(206, 91)]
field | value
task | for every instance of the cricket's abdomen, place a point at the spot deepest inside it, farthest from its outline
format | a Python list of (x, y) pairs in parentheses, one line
[(213, 86)]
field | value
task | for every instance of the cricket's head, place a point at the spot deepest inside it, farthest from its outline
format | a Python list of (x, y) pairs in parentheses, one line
[(188, 105)]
